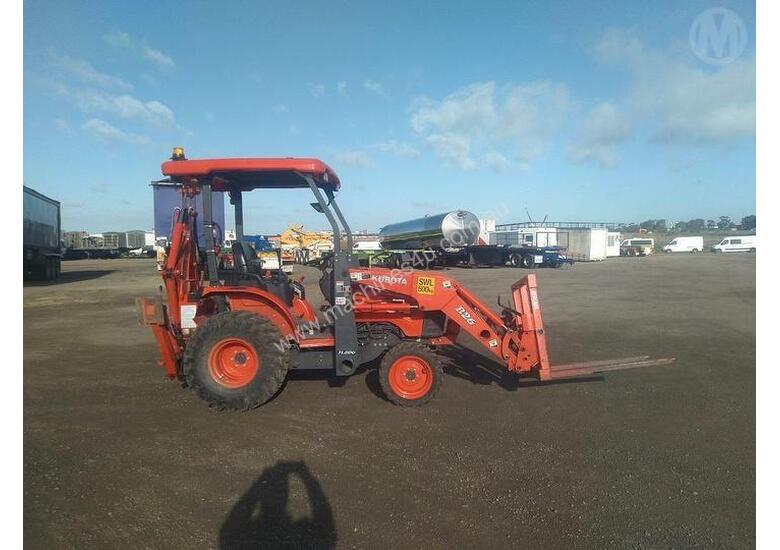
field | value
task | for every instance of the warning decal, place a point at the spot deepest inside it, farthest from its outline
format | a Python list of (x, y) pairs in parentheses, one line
[(426, 285)]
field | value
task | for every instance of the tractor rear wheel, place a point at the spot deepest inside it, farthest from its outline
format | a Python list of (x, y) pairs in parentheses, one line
[(235, 361), (410, 374)]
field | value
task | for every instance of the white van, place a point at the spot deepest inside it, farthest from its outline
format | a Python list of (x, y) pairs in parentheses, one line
[(745, 243), (367, 246), (637, 247), (685, 244)]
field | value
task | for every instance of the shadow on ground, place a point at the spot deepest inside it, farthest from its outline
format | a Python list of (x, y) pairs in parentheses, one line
[(261, 518), (72, 277)]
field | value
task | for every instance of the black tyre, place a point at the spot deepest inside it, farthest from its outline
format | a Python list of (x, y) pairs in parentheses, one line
[(752, 250), (235, 361), (527, 261), (410, 374), (515, 260), (694, 251), (49, 270)]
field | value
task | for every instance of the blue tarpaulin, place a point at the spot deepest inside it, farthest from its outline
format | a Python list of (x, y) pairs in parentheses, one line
[(167, 198)]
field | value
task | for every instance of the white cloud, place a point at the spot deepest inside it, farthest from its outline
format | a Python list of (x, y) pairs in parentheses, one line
[(123, 40), (530, 116), (341, 88), (496, 161), (157, 57), (124, 106), (686, 103), (597, 135), (106, 132), (375, 87), (279, 109), (453, 149), (493, 125), (354, 159), (402, 150), (85, 72)]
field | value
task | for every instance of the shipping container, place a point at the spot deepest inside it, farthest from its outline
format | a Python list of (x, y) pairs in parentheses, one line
[(528, 236), (613, 244), (587, 245)]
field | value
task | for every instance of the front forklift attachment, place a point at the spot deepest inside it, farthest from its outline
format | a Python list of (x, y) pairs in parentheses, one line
[(233, 334), (529, 316)]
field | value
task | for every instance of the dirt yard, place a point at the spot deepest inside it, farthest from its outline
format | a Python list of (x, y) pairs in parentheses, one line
[(116, 456)]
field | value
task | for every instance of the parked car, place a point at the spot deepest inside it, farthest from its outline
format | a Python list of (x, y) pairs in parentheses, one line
[(637, 247), (746, 243), (685, 244)]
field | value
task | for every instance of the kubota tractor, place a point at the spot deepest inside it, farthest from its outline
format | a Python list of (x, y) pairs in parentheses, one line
[(232, 335)]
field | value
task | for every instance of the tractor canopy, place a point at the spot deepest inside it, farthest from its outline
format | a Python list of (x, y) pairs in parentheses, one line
[(245, 174)]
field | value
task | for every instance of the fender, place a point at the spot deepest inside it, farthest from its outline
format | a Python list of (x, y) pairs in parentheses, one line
[(257, 301)]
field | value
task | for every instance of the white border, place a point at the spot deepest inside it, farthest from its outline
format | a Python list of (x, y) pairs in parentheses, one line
[(767, 358), (11, 35)]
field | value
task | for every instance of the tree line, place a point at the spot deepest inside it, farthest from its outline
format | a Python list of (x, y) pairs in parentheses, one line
[(723, 223)]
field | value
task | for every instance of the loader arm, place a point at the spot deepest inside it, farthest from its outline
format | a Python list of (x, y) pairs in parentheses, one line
[(517, 337)]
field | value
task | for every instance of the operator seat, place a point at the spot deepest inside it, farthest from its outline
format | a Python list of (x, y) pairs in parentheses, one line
[(249, 268), (326, 285), (245, 259)]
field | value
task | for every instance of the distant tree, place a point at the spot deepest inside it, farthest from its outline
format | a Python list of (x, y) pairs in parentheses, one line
[(629, 228), (712, 224), (697, 224), (724, 222), (748, 223)]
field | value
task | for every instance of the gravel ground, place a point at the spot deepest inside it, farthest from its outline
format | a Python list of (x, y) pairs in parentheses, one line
[(117, 456)]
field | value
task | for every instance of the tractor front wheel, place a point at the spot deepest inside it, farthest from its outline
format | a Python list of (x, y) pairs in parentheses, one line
[(410, 374), (235, 361)]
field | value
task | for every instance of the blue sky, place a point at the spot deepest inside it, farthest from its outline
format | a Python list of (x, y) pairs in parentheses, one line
[(579, 111)]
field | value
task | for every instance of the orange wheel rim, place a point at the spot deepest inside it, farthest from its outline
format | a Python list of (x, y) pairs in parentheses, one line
[(233, 362), (411, 377)]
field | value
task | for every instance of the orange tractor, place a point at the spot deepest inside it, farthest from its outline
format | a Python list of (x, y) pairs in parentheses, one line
[(233, 335)]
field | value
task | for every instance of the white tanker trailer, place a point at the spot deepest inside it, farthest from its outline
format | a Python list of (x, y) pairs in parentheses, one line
[(452, 238), (445, 231)]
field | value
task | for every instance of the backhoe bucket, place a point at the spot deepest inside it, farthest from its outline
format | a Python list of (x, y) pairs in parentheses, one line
[(529, 312)]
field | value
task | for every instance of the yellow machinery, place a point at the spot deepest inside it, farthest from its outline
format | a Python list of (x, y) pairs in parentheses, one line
[(300, 246)]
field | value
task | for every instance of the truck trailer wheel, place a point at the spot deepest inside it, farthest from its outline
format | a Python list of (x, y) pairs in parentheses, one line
[(410, 374), (527, 261), (515, 260), (234, 361)]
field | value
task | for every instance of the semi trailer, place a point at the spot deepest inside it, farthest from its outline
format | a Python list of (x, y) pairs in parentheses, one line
[(453, 238), (41, 236)]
